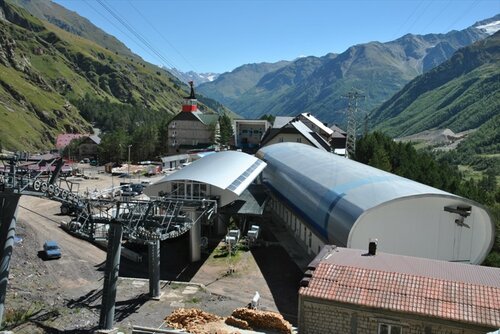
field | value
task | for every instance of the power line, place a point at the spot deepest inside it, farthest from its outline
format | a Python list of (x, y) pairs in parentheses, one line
[(446, 5), (419, 16), (117, 27), (162, 36), (465, 12), (407, 19), (134, 32)]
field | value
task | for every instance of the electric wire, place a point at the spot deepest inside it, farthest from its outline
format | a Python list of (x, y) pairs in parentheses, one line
[(131, 29), (440, 12), (117, 27), (465, 12), (419, 16), (162, 36), (407, 19)]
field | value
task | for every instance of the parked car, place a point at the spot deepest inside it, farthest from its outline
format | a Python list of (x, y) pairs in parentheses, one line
[(51, 250), (137, 187), (128, 191)]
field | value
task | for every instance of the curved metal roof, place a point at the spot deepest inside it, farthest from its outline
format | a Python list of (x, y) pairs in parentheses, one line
[(228, 170), (322, 186)]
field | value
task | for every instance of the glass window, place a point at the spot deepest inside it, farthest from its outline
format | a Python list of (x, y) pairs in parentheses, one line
[(203, 190), (180, 190), (389, 329), (196, 189)]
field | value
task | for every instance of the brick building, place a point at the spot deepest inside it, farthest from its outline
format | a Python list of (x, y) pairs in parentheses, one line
[(349, 291), (192, 129)]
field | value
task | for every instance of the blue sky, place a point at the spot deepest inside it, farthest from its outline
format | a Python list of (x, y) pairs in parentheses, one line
[(218, 36)]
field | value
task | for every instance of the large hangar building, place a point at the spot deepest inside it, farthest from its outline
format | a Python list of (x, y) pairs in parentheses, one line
[(327, 199)]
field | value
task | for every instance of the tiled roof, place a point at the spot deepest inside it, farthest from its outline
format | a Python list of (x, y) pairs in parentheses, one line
[(401, 292), (64, 139)]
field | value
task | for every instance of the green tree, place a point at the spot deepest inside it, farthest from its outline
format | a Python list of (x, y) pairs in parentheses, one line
[(380, 159), (144, 142), (270, 118), (226, 129), (113, 147)]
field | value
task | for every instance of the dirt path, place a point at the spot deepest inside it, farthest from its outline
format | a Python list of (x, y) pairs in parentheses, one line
[(65, 294)]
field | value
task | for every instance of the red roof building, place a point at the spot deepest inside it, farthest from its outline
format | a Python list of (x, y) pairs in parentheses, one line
[(64, 139), (348, 291)]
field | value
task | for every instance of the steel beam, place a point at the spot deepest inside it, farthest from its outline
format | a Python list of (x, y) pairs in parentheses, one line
[(154, 269), (8, 217), (106, 318), (195, 241)]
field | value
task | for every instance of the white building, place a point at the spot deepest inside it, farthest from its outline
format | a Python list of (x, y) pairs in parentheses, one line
[(326, 199)]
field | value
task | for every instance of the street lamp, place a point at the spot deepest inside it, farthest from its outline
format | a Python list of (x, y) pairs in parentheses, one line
[(129, 160)]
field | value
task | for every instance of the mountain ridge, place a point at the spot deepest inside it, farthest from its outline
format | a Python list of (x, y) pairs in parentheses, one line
[(376, 69), (453, 95)]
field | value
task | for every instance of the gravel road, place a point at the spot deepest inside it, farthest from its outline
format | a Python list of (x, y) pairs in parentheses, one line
[(64, 295)]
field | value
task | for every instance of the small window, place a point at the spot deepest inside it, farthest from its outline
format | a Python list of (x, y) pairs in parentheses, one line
[(299, 140), (389, 329), (281, 139)]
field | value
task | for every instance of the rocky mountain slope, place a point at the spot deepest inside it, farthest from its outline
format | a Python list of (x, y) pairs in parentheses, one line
[(316, 84), (229, 86), (45, 71)]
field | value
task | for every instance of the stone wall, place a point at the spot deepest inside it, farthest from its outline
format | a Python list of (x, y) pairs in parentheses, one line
[(322, 317)]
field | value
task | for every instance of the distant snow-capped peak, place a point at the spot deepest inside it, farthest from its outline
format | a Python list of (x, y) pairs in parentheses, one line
[(490, 28), (197, 78)]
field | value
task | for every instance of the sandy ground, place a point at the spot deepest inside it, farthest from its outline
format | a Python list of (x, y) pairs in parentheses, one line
[(64, 296)]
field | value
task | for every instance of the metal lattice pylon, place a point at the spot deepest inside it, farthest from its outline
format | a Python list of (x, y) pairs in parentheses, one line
[(352, 110)]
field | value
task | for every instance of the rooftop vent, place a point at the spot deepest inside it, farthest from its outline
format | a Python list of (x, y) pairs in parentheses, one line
[(372, 247)]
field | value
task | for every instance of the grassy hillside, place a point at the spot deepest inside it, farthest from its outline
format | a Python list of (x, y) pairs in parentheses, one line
[(65, 19), (461, 94), (45, 71)]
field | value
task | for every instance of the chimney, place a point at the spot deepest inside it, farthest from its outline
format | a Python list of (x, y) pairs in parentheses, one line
[(372, 247)]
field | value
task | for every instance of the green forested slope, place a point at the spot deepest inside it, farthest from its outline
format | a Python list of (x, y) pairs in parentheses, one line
[(462, 93), (45, 71)]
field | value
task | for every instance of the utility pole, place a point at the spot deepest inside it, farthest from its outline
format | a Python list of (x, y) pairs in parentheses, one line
[(352, 109), (129, 161)]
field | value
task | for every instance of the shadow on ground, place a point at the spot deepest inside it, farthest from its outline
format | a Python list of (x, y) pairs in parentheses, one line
[(90, 300), (174, 258), (281, 274)]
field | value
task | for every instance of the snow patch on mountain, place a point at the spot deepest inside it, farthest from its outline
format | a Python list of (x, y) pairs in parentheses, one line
[(197, 78), (490, 28)]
